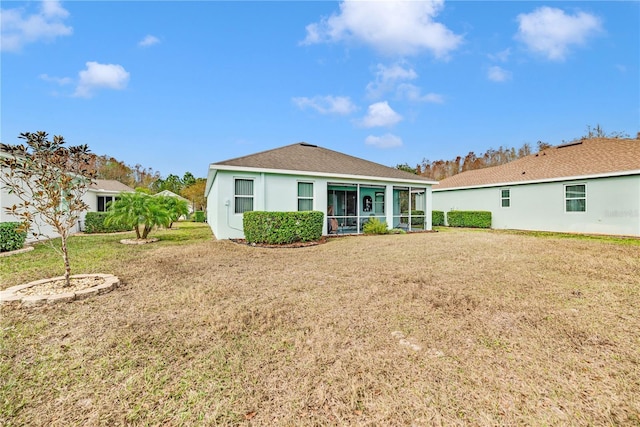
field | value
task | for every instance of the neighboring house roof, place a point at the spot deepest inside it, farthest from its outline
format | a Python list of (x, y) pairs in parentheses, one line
[(304, 157), (170, 194), (578, 159), (109, 185)]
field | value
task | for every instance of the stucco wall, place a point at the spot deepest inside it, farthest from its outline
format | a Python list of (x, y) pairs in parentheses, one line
[(613, 206), (273, 192), (7, 200)]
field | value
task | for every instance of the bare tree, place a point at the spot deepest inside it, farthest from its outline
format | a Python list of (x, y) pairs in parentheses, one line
[(50, 181)]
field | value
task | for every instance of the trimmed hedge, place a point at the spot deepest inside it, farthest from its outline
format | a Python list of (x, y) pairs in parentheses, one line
[(474, 219), (437, 218), (198, 216), (277, 228), (11, 238), (94, 223)]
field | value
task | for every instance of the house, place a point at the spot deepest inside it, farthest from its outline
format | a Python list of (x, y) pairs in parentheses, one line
[(169, 193), (302, 177), (99, 194), (585, 186)]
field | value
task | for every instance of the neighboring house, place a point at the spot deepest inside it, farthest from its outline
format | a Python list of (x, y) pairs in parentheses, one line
[(303, 177), (100, 193), (585, 186), (172, 194)]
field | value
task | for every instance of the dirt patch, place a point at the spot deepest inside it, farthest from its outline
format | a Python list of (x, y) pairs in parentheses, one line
[(138, 241), (284, 245)]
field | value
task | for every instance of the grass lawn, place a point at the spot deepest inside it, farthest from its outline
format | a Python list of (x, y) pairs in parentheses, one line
[(451, 328)]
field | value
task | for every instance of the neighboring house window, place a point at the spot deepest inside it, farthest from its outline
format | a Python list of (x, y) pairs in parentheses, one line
[(575, 197), (103, 203), (243, 195), (505, 197), (378, 203), (305, 196)]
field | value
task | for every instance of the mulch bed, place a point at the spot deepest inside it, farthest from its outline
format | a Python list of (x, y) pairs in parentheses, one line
[(285, 245)]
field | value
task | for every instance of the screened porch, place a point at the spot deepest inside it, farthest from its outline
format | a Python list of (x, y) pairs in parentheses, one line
[(351, 206)]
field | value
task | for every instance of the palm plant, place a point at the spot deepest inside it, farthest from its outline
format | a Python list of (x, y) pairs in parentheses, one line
[(138, 211), (176, 207)]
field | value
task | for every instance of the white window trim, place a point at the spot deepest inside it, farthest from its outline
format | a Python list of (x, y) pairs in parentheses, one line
[(313, 194), (564, 197), (505, 198), (235, 196)]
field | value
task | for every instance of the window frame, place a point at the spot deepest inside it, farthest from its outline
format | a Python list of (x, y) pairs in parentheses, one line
[(106, 200), (567, 199), (236, 196), (305, 198), (506, 198)]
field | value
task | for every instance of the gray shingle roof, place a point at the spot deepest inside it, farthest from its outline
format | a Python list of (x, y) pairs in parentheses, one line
[(311, 158), (581, 158), (109, 185)]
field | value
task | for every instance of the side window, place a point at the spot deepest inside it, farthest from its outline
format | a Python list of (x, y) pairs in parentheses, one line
[(104, 203), (575, 198), (505, 197), (243, 195), (305, 196)]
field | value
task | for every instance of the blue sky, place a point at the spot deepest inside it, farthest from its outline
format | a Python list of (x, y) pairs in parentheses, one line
[(177, 85)]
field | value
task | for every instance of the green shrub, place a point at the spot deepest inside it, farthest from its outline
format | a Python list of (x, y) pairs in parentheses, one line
[(417, 218), (11, 236), (474, 219), (282, 227), (94, 223), (198, 216), (375, 226), (437, 218)]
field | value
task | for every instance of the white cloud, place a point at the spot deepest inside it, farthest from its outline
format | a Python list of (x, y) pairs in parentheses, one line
[(387, 78), (551, 32), (414, 93), (57, 80), (391, 27), (341, 105), (149, 40), (97, 76), (385, 141), (498, 74), (18, 29), (502, 56), (380, 114)]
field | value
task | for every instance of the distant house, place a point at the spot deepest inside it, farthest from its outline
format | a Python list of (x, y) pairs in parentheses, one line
[(585, 186), (100, 193), (104, 191), (172, 194), (302, 177)]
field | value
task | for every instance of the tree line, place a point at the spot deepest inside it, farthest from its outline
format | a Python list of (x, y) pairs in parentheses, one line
[(441, 169), (148, 180)]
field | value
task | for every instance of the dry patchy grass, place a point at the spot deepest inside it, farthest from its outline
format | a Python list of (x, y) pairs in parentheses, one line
[(457, 328)]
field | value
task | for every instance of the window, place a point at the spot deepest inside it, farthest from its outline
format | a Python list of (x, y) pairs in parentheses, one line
[(305, 196), (103, 203), (575, 197), (243, 195), (505, 197), (378, 204)]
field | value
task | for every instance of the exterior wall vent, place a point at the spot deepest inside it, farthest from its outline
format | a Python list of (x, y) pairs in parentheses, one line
[(569, 144)]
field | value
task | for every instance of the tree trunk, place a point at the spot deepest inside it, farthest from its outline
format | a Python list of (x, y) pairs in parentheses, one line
[(67, 265), (137, 231), (146, 231)]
